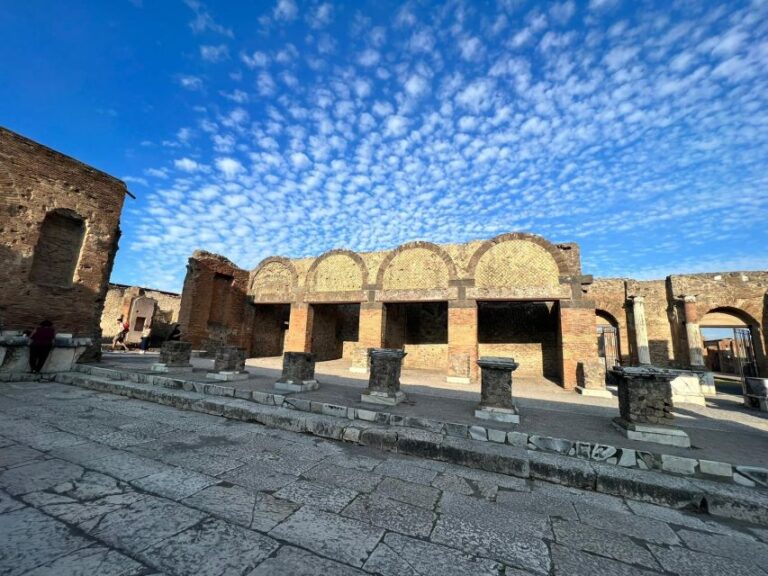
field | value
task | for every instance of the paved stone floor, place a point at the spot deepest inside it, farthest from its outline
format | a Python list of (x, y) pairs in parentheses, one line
[(103, 485)]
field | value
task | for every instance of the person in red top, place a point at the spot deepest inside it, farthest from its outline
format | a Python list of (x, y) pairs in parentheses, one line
[(40, 344)]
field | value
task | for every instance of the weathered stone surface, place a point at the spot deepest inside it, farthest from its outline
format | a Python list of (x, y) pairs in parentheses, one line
[(297, 562), (687, 563), (743, 549), (176, 483), (229, 359), (391, 515), (408, 492), (384, 379), (92, 560), (406, 470), (627, 524), (298, 371), (645, 395), (488, 515), (128, 466), (576, 563), (7, 503), (603, 543), (398, 555), (536, 503), (175, 354), (496, 382), (259, 476), (347, 540), (15, 455), (334, 475), (38, 476), (320, 496), (211, 547)]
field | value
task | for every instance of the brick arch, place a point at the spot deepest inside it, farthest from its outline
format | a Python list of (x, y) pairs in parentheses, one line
[(274, 279), (612, 319), (736, 311), (562, 265), (436, 250), (356, 259)]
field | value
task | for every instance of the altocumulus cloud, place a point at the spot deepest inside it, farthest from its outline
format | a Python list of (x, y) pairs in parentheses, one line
[(639, 131)]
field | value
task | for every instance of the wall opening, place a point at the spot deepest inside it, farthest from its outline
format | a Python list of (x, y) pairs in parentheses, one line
[(608, 342), (729, 346), (220, 294), (334, 330), (58, 249), (270, 323), (421, 329), (525, 331)]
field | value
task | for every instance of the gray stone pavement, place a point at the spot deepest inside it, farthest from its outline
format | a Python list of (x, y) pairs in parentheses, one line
[(93, 483)]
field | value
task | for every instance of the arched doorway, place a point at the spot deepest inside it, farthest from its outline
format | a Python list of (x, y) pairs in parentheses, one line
[(728, 337), (608, 347)]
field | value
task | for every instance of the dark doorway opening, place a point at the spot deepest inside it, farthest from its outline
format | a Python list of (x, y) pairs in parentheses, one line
[(525, 331), (421, 329), (333, 326), (270, 323)]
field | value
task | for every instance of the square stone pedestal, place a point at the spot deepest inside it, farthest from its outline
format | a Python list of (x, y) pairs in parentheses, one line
[(498, 414), (384, 381), (298, 373), (162, 367), (227, 376), (668, 435), (174, 357)]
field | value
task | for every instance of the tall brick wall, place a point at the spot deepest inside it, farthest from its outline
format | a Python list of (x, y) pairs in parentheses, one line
[(36, 181)]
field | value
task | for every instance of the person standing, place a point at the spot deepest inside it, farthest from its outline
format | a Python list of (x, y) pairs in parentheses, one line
[(40, 345), (122, 332), (146, 334)]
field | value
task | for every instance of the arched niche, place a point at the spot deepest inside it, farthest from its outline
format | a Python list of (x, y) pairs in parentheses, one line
[(273, 280), (337, 271)]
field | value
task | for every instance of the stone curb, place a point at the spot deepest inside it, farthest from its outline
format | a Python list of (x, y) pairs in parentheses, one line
[(724, 500), (749, 476)]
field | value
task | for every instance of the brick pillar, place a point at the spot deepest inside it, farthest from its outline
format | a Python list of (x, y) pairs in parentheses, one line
[(462, 341), (641, 331), (299, 335), (693, 333), (578, 338), (370, 334)]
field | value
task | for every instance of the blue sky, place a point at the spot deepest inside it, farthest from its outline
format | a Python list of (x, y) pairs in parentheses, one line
[(638, 129)]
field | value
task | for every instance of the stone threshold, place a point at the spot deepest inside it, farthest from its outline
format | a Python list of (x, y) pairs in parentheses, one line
[(630, 458), (716, 498)]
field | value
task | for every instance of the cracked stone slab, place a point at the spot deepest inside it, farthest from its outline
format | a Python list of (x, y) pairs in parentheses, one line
[(690, 563), (258, 511), (29, 538), (681, 518), (329, 498), (128, 466), (211, 547), (738, 548), (398, 555), (627, 524), (416, 494), (38, 476), (333, 475), (92, 485), (537, 503), (330, 535), (406, 470), (259, 477), (143, 523), (53, 440), (16, 454), (84, 453), (75, 512), (175, 484), (520, 550), (297, 562), (609, 544), (391, 515), (576, 563), (96, 560), (8, 504)]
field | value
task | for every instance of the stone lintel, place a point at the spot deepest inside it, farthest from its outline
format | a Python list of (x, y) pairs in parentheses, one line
[(584, 304)]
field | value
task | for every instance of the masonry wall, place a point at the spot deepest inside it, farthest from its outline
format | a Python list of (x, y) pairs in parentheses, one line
[(36, 181), (119, 296)]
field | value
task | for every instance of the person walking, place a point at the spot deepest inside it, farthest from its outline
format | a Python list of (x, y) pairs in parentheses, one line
[(122, 332), (146, 334), (40, 345)]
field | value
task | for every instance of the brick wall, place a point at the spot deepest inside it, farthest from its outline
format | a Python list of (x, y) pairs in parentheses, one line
[(36, 181), (119, 298)]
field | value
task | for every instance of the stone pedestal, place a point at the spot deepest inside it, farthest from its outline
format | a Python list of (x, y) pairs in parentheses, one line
[(174, 357), (496, 390), (591, 377), (298, 373), (645, 406), (384, 381), (686, 389), (756, 393), (229, 364)]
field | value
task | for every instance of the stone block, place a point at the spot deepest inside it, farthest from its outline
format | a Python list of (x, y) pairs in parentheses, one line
[(499, 436), (496, 389), (176, 354), (590, 375), (648, 433), (713, 468), (298, 373), (384, 381), (164, 368), (374, 397), (519, 439), (678, 464), (478, 433), (229, 359), (498, 414), (686, 389), (227, 376), (645, 395)]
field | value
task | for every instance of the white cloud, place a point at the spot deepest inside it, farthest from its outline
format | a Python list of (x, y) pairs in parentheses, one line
[(416, 85), (186, 165), (321, 16), (395, 126), (477, 95), (214, 53), (300, 161), (369, 57), (190, 82), (285, 10), (471, 48), (255, 60), (229, 167)]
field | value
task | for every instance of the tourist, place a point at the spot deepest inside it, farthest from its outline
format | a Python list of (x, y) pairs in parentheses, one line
[(122, 332), (40, 345), (146, 334)]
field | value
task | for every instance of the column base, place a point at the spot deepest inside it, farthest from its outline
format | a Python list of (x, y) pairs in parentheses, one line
[(303, 386), (159, 367), (227, 376), (652, 433), (596, 392), (374, 397), (498, 414), (458, 380)]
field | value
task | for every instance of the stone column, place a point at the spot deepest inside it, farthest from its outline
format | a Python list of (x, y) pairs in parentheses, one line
[(384, 381), (462, 341), (174, 357), (299, 335), (370, 335), (496, 390), (641, 331), (645, 406), (229, 364), (693, 334), (298, 373)]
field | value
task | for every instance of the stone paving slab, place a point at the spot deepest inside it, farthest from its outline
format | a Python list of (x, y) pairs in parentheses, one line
[(297, 562), (96, 560), (392, 515)]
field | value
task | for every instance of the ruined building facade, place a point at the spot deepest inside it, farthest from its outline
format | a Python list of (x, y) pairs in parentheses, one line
[(516, 295), (59, 228)]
